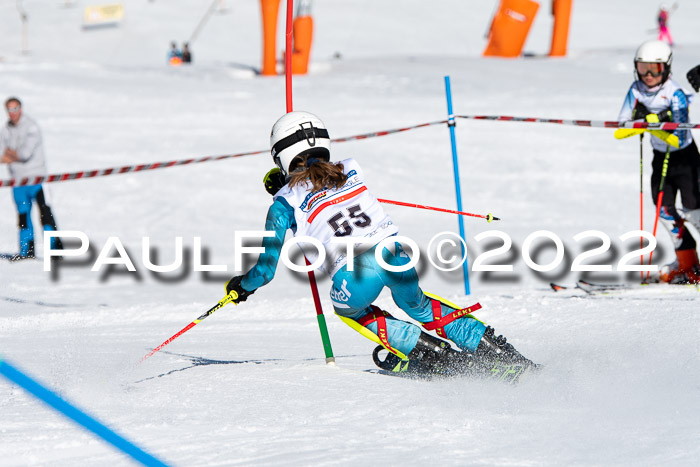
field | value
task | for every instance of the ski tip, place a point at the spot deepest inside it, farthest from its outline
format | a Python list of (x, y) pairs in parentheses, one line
[(556, 287)]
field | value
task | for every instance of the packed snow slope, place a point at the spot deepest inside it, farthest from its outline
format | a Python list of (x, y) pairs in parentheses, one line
[(248, 385)]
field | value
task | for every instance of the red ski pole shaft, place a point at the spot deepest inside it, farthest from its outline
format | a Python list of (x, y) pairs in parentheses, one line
[(656, 223), (660, 197), (488, 217), (223, 302)]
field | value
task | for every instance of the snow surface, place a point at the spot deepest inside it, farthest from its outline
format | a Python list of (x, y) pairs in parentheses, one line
[(248, 385)]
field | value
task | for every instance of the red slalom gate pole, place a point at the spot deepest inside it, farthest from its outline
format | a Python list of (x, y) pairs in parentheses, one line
[(325, 337), (489, 217), (288, 55)]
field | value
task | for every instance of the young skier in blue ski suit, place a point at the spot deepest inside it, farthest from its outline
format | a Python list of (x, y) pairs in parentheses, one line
[(328, 201)]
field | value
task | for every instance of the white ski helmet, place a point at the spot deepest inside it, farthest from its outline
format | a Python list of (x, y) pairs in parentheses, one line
[(297, 134), (654, 52)]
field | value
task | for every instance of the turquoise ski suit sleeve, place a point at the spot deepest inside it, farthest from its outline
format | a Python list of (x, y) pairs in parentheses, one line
[(680, 114), (280, 217)]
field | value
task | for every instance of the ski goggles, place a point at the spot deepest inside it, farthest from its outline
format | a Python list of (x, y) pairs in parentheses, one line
[(14, 109), (655, 69)]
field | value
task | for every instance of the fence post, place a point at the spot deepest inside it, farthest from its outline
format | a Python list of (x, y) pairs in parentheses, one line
[(458, 189)]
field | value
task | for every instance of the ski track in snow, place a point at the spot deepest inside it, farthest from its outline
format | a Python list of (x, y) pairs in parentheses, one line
[(248, 385)]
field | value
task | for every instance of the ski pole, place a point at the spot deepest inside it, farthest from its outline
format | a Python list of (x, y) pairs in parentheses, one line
[(659, 198), (223, 302), (488, 217)]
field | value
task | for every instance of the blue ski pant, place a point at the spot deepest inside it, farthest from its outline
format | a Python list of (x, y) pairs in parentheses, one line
[(24, 198), (354, 291)]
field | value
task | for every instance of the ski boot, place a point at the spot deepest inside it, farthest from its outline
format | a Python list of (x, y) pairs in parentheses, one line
[(430, 357), (498, 348), (27, 254), (499, 359), (684, 270)]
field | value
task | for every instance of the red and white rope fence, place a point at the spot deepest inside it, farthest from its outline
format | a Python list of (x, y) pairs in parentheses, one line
[(116, 170), (62, 177), (589, 123), (387, 132)]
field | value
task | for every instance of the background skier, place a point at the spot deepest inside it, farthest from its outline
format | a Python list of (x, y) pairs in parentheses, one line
[(22, 149), (654, 96), (174, 55), (662, 19)]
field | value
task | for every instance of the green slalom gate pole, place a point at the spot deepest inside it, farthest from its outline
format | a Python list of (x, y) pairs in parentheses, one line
[(455, 166), (81, 418), (325, 337)]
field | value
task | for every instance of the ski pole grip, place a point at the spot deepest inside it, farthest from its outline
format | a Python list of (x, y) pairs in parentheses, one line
[(233, 295)]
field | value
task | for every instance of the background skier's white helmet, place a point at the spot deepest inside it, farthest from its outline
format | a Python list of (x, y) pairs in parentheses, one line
[(654, 52), (296, 134)]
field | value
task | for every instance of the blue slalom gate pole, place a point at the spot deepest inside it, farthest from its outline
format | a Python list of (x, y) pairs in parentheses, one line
[(75, 414), (455, 166)]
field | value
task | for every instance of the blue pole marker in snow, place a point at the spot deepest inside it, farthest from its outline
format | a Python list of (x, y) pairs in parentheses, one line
[(455, 167), (81, 418)]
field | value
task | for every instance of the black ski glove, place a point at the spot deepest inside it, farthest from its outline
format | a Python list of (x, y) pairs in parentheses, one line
[(694, 78), (639, 111), (234, 285), (274, 181), (660, 117), (665, 116)]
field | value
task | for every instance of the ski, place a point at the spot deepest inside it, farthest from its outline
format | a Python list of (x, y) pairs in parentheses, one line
[(665, 136), (593, 288), (603, 287), (577, 286), (14, 257), (499, 371), (590, 287), (508, 372)]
